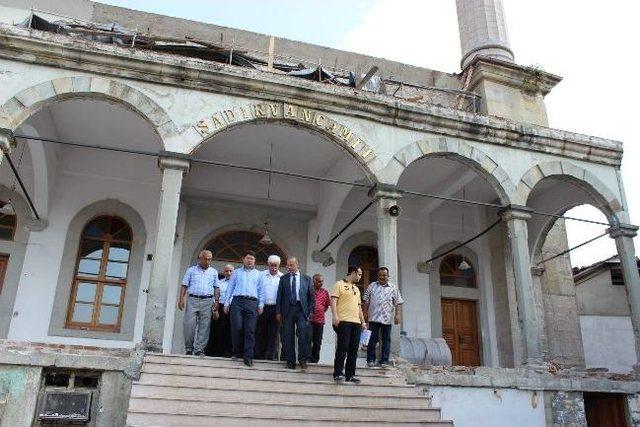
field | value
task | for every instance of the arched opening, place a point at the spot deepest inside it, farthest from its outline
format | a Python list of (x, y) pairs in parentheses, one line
[(70, 178), (478, 296), (298, 212), (365, 257), (581, 311), (230, 247)]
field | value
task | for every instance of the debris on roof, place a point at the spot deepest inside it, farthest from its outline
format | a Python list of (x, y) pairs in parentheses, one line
[(113, 33)]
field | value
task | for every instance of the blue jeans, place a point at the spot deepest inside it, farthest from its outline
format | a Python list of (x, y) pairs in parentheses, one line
[(378, 329), (243, 315)]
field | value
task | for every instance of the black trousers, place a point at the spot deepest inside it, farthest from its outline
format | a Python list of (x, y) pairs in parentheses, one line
[(348, 340), (219, 344), (295, 323), (244, 314), (267, 334), (316, 341)]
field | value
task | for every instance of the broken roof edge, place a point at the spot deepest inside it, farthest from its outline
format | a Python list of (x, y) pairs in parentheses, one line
[(330, 57)]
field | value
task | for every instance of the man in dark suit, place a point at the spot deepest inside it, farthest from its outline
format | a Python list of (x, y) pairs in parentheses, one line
[(294, 305)]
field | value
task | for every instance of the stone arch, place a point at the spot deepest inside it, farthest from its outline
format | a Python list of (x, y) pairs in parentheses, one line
[(603, 198), (29, 101), (68, 262), (205, 130), (457, 150)]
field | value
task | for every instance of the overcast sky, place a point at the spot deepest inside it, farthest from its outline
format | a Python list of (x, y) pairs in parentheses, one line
[(592, 44)]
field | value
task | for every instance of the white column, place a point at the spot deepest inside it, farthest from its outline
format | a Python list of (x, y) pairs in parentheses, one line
[(483, 30), (623, 234), (387, 224), (173, 167), (7, 141), (516, 218)]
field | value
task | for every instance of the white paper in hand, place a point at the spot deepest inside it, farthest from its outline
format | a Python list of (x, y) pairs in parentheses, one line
[(364, 337)]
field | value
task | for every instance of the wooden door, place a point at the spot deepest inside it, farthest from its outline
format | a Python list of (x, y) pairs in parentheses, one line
[(605, 410), (4, 262), (460, 331)]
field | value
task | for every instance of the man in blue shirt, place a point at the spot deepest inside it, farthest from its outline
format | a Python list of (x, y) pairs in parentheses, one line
[(200, 282), (244, 301)]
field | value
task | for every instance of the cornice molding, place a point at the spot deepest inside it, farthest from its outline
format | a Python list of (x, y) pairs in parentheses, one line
[(36, 47)]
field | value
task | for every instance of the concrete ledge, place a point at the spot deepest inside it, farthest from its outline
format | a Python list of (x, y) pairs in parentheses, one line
[(66, 356), (524, 379)]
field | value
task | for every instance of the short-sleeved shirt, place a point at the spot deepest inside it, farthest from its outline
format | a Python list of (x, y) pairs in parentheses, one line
[(321, 303), (382, 300), (348, 304), (200, 281)]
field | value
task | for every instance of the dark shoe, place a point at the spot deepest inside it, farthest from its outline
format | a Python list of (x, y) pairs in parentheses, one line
[(353, 380), (291, 365), (188, 353), (303, 365), (248, 362), (339, 378)]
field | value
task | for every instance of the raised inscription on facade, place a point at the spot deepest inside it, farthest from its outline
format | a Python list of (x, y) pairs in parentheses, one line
[(276, 110)]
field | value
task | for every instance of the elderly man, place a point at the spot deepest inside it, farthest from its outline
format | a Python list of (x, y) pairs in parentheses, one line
[(267, 329), (244, 301), (200, 282), (382, 299), (220, 337), (322, 301), (294, 307)]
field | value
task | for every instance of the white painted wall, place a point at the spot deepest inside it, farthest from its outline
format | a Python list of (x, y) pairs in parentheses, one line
[(608, 342), (490, 407), (76, 188)]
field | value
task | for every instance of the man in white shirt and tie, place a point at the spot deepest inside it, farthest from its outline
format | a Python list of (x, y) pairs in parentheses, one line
[(267, 328)]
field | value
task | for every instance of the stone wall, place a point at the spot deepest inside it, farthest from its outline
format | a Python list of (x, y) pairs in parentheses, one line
[(561, 319), (21, 368)]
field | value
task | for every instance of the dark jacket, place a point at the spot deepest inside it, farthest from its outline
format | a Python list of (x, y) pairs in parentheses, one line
[(283, 303)]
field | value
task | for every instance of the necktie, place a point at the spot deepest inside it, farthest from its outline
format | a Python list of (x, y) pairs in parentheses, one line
[(293, 289)]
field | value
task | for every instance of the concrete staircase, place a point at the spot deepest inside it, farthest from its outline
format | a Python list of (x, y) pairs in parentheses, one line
[(190, 391)]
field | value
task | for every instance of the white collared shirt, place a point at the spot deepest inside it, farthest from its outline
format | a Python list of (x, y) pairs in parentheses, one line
[(270, 285)]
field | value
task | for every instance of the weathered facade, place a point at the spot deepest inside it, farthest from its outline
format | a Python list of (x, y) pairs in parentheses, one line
[(172, 153)]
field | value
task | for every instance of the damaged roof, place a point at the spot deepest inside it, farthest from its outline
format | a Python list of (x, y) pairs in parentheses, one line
[(113, 33)]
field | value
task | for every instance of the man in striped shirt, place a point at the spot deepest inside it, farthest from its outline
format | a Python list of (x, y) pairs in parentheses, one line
[(382, 299)]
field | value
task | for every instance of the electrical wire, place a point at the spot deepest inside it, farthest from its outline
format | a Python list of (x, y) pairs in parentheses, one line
[(573, 248), (301, 176)]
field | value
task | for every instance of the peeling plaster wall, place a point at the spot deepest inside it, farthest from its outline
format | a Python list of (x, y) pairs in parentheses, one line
[(491, 407)]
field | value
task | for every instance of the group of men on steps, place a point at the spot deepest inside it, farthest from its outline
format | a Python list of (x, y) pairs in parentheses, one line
[(250, 308)]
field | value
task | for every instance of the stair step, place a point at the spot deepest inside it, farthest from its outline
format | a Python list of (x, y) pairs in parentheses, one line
[(287, 386), (136, 419), (262, 364), (276, 396), (257, 372), (271, 410)]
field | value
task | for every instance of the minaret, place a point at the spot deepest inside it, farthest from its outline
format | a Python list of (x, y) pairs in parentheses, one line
[(483, 30)]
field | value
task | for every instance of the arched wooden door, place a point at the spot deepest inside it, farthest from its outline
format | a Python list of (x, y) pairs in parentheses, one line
[(366, 257)]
